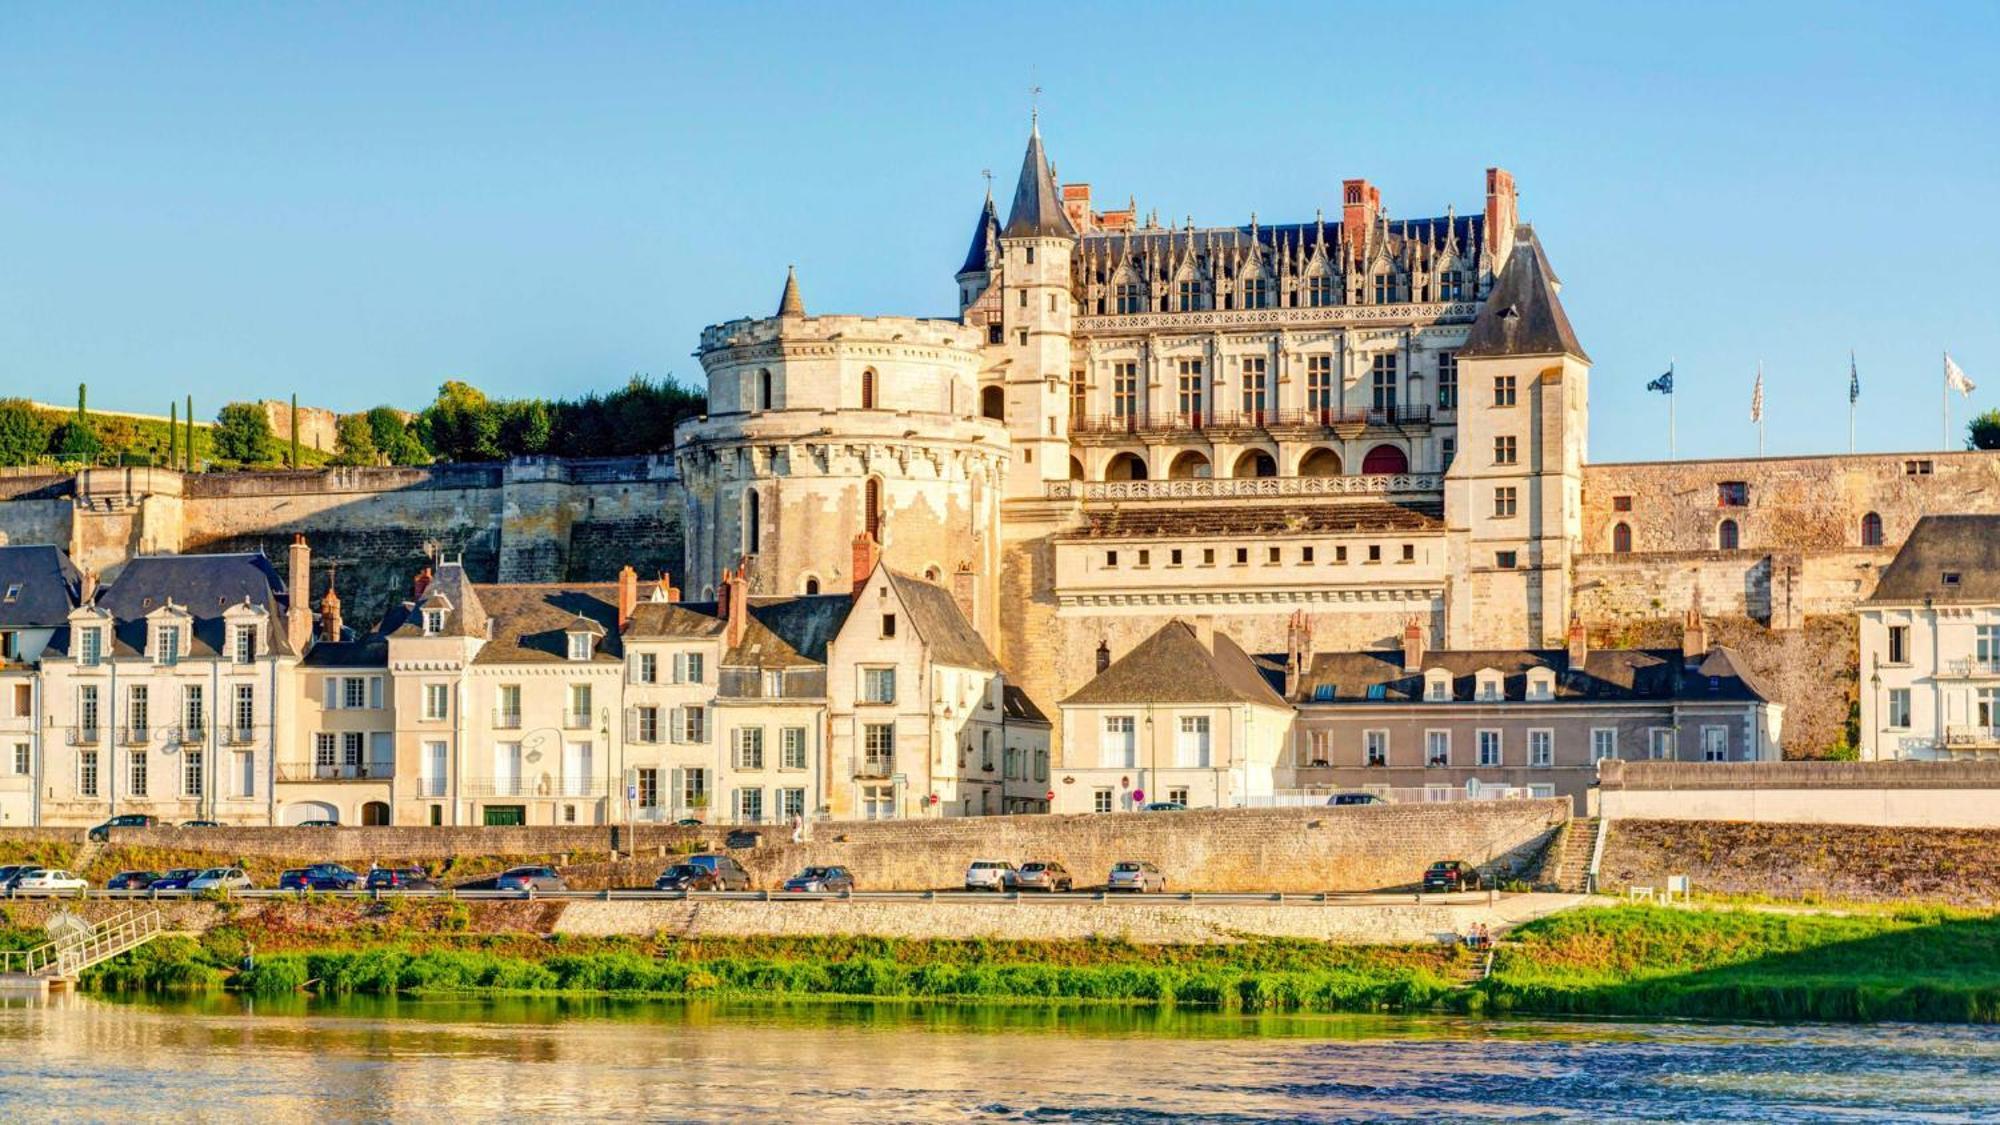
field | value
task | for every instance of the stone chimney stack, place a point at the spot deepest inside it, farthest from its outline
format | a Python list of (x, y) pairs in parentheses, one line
[(628, 595), (87, 592), (298, 592), (1298, 651), (665, 590), (1694, 634), (961, 590), (866, 554), (1204, 631), (1502, 216), (329, 615), (1103, 655), (1413, 645), (736, 602), (1578, 643)]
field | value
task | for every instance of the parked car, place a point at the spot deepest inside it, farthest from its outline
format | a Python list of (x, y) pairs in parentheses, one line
[(44, 881), (294, 879), (1163, 806), (201, 824), (123, 820), (529, 879), (319, 824), (989, 875), (176, 879), (332, 877), (400, 879), (824, 880), (1355, 799), (689, 822), (7, 873), (131, 880), (1043, 875), (1452, 875), (708, 871), (1135, 875), (221, 878)]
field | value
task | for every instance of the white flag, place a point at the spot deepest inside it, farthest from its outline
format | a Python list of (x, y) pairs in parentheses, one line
[(1757, 397), (1954, 377)]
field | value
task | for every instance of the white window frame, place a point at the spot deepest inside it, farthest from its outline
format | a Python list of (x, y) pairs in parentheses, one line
[(1899, 700), (1498, 742), (1709, 752), (1193, 742), (1660, 744), (1118, 738), (1541, 756), (437, 702), (1434, 740), (1603, 744), (792, 748), (579, 646), (873, 679), (1375, 746)]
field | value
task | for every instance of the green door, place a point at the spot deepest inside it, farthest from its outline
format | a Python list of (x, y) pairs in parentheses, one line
[(506, 816)]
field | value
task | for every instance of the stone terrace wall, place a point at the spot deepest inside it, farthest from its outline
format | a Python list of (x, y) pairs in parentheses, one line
[(1804, 504), (1292, 850), (1908, 794), (1807, 861)]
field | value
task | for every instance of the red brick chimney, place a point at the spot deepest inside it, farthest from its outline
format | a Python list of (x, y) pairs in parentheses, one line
[(665, 589), (962, 588), (736, 603), (1502, 215), (298, 591), (420, 583), (628, 595), (1360, 203), (867, 553), (1578, 642), (1076, 204), (1413, 645), (329, 615)]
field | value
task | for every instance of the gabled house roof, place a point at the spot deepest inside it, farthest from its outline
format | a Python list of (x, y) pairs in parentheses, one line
[(206, 587), (531, 622), (1173, 666), (38, 587), (1948, 560), (450, 589), (935, 615)]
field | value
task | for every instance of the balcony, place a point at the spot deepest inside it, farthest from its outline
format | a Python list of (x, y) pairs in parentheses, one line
[(85, 736), (240, 736), (1217, 488), (1240, 424), (359, 771), (875, 765), (1975, 738), (137, 735), (430, 787), (1973, 668), (576, 720), (506, 720)]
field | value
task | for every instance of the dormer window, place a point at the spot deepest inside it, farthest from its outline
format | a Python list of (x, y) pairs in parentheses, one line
[(90, 647), (13, 593), (433, 622), (244, 648), (1489, 687), (1541, 684), (167, 644), (580, 646), (1437, 687), (1950, 579)]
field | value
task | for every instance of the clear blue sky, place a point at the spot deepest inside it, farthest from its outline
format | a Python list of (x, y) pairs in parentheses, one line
[(357, 202)]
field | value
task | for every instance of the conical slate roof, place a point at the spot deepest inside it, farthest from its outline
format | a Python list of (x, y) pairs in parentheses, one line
[(1522, 316), (1037, 204), (791, 304), (976, 260)]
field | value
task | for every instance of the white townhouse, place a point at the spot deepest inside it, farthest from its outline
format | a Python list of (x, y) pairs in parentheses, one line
[(1930, 646)]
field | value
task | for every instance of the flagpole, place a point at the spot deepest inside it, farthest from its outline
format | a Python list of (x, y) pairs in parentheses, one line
[(1671, 456), (1760, 408), (1944, 399)]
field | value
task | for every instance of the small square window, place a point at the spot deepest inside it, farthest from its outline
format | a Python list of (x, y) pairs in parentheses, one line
[(1305, 554), (1621, 503), (1409, 552), (1374, 552), (1505, 560), (1340, 554), (1732, 494), (1174, 557), (1145, 558), (1208, 556), (1950, 579), (1273, 554), (1242, 556), (888, 624), (1110, 558)]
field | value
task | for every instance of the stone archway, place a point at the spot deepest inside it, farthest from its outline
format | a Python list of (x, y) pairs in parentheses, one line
[(1384, 460), (1190, 464), (375, 813), (1255, 463), (1320, 461), (301, 811), (1125, 466)]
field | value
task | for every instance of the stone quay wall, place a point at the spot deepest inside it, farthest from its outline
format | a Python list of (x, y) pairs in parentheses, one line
[(1361, 848), (1882, 794)]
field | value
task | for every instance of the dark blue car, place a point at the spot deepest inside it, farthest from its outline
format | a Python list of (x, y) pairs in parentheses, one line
[(331, 877), (175, 880)]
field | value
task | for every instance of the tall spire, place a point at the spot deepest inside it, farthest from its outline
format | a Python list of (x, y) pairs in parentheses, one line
[(791, 304), (978, 258), (1037, 206)]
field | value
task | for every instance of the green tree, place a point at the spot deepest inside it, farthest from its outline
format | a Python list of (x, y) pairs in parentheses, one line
[(1983, 432), (354, 441), (462, 424), (390, 431), (243, 434), (24, 432)]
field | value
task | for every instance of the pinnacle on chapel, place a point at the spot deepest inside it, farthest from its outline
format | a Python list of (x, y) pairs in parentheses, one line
[(1038, 208), (790, 303)]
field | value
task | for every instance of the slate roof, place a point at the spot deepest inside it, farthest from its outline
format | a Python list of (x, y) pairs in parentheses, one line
[(464, 615), (672, 620), (1607, 675), (1154, 521), (1017, 707), (531, 622), (1523, 315), (206, 586), (1172, 242), (49, 585), (976, 260), (1173, 666), (790, 631), (366, 652), (1967, 546), (935, 615), (1037, 204)]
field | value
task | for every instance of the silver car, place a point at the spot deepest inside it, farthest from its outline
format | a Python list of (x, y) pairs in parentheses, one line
[(223, 878), (1136, 876), (989, 875)]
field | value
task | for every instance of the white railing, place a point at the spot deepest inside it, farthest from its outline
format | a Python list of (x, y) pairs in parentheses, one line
[(1211, 488), (1972, 667), (1972, 738)]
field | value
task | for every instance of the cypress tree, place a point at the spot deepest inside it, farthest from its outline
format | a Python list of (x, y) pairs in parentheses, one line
[(295, 429), (173, 435), (189, 451)]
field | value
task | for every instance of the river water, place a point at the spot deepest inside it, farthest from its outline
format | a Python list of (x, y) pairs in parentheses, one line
[(226, 1058)]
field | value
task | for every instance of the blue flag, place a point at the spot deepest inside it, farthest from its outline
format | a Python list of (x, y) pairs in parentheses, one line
[(1664, 384), (1853, 381)]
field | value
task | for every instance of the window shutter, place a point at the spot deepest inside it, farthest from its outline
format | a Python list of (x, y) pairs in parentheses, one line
[(676, 787), (631, 724), (375, 692), (680, 667), (736, 748), (332, 692)]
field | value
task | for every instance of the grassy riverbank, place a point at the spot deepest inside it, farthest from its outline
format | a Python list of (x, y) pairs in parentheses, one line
[(1635, 961)]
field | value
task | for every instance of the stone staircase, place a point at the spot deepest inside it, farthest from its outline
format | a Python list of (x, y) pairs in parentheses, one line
[(85, 855), (1579, 841)]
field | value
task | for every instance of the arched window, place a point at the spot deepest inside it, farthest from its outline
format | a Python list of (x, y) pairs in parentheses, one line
[(1727, 537), (872, 503), (763, 390), (933, 574), (1385, 460), (375, 813), (812, 585), (868, 389), (1871, 530), (1075, 469), (1321, 462), (1621, 539), (993, 403), (1255, 463), (1190, 465), (753, 531)]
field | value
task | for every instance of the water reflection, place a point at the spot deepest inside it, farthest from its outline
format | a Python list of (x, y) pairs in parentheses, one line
[(300, 1058)]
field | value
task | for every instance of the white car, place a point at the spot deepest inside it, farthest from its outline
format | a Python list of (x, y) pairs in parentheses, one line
[(48, 882), (227, 878), (989, 875)]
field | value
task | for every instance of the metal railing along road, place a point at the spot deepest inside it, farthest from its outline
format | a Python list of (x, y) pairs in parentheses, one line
[(1080, 897)]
